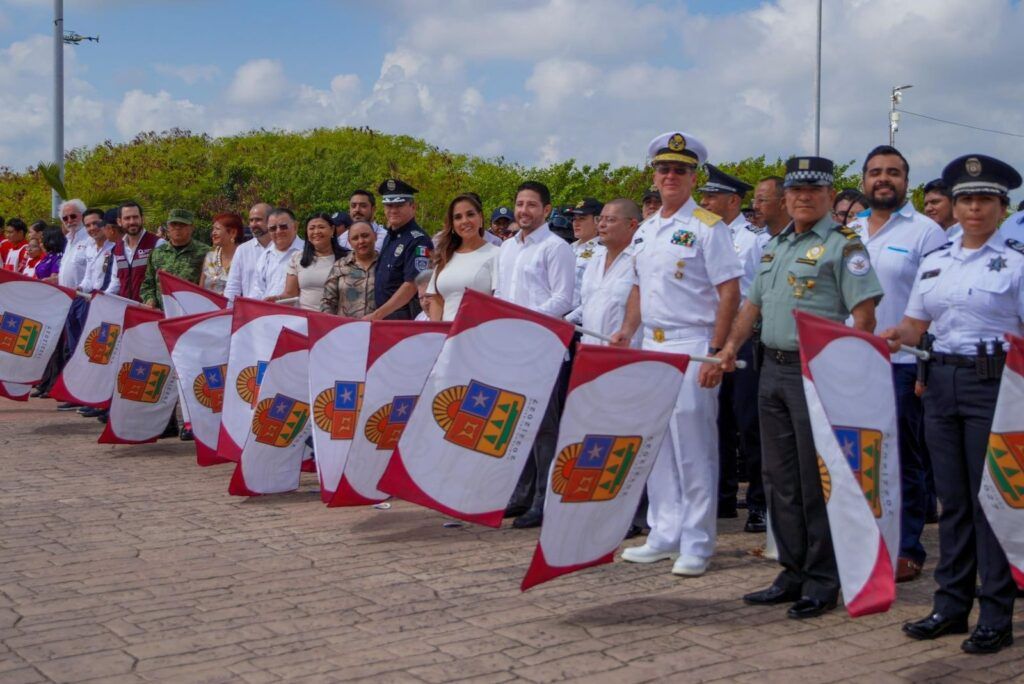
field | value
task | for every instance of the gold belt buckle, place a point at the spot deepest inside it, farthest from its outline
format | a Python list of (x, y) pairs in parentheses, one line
[(659, 335)]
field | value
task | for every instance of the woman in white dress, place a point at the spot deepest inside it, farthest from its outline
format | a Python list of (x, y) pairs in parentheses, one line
[(307, 271), (463, 258)]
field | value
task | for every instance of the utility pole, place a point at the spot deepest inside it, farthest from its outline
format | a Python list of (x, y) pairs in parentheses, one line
[(895, 98), (58, 96), (817, 92)]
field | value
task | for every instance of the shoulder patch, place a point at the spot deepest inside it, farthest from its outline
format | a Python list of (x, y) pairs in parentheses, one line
[(947, 246), (417, 233), (706, 217), (847, 233), (1015, 245)]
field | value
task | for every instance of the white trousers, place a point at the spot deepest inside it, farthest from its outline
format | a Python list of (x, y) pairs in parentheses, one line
[(683, 484)]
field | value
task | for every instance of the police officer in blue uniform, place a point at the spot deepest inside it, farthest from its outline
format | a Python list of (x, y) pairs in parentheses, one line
[(970, 292), (405, 252)]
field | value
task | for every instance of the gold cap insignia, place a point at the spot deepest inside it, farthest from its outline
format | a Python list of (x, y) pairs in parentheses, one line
[(973, 167), (579, 205), (391, 184), (677, 143), (804, 164)]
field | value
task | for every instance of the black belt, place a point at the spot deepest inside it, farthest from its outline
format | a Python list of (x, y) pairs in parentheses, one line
[(957, 360), (781, 356)]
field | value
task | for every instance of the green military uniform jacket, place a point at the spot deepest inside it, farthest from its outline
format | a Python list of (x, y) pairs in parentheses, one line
[(185, 262), (825, 271)]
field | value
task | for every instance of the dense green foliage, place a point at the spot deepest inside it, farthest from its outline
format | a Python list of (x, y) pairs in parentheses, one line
[(314, 171)]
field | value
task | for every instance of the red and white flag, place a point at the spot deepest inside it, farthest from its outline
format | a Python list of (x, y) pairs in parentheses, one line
[(272, 456), (401, 355), (616, 414), (145, 390), (14, 391), (337, 350), (32, 315), (89, 375), (255, 326), (182, 298), (472, 430), (198, 345), (852, 405), (1002, 480)]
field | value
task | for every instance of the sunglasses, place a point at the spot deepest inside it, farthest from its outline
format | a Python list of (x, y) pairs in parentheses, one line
[(279, 226), (69, 217), (678, 169)]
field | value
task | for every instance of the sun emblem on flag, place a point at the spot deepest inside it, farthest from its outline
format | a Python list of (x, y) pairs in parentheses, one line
[(862, 448), (478, 416), (336, 409), (594, 469), (19, 335), (278, 421), (385, 426), (142, 381), (208, 387), (247, 384), (826, 478), (100, 343), (1005, 460)]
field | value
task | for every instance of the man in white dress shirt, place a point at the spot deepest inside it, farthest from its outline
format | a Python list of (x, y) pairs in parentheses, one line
[(71, 213), (271, 268), (536, 270), (897, 237), (243, 265), (584, 229), (685, 294), (362, 205)]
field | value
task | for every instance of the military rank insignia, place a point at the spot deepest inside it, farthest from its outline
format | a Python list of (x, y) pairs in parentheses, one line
[(100, 342), (1005, 461), (247, 384), (683, 238), (208, 387), (19, 335), (336, 409), (142, 381), (594, 469), (385, 426), (478, 416), (278, 421)]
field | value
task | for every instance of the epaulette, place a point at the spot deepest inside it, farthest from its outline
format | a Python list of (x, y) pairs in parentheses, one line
[(416, 233), (706, 217), (754, 229), (942, 247), (847, 233), (1015, 245)]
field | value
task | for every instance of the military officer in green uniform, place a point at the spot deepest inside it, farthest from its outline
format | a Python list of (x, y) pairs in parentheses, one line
[(180, 256), (816, 266)]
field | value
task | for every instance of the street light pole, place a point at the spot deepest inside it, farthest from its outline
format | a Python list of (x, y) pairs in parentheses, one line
[(817, 92), (58, 96), (895, 98)]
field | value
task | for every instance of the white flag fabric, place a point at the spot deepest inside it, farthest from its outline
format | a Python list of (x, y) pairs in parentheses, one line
[(271, 459), (32, 315), (255, 326), (616, 413), (848, 383), (89, 375), (472, 430), (14, 391), (1002, 481), (401, 355), (198, 345), (337, 350), (145, 390)]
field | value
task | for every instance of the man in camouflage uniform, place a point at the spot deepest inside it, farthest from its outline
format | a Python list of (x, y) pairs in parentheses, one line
[(180, 256)]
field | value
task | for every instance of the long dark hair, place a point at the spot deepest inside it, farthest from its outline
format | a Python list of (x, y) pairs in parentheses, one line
[(448, 240), (54, 240), (309, 251)]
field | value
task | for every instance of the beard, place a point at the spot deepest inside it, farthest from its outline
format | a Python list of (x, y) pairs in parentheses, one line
[(893, 202)]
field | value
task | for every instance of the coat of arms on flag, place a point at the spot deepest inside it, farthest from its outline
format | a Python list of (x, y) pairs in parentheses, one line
[(594, 469), (1005, 460), (247, 384), (863, 451), (19, 334), (100, 343), (478, 416), (279, 420), (142, 380), (208, 387), (336, 408), (385, 426)]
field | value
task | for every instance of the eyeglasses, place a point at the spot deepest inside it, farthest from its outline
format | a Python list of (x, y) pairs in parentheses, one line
[(279, 226), (68, 217), (666, 168)]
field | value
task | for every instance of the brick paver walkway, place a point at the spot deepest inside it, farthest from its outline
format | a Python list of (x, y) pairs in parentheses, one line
[(131, 564)]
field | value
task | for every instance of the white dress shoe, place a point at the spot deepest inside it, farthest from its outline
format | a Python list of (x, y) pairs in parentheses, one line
[(646, 554), (690, 566)]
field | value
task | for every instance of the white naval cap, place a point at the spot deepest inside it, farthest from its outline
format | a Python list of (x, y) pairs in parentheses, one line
[(677, 146)]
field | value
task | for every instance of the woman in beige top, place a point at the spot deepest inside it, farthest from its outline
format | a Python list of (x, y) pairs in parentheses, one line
[(307, 270), (225, 236), (349, 288)]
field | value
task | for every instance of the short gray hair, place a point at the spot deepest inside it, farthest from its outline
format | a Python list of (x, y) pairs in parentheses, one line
[(76, 203)]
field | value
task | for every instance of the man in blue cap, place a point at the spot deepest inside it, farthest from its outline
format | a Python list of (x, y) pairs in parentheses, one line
[(406, 252), (502, 226)]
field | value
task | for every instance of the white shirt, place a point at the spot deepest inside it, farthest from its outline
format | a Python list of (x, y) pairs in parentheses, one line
[(271, 269), (95, 258), (466, 270), (537, 272), (1013, 227), (748, 240), (896, 251), (378, 230), (970, 296), (584, 251), (604, 293), (72, 264), (679, 262), (243, 269)]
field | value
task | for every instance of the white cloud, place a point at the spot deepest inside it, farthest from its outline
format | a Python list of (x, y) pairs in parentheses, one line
[(189, 73), (141, 111), (258, 83)]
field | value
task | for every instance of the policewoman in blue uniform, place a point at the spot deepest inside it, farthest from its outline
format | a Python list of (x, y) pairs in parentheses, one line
[(405, 252), (971, 292)]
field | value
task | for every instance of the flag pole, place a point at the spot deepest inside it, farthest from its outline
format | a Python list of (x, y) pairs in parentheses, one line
[(702, 359)]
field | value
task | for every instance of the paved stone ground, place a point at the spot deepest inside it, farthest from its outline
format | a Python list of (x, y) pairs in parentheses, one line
[(131, 564)]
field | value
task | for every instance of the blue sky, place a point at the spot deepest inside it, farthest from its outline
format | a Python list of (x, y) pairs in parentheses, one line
[(534, 80)]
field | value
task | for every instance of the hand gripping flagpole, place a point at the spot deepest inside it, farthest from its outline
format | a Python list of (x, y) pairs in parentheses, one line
[(918, 353), (702, 359)]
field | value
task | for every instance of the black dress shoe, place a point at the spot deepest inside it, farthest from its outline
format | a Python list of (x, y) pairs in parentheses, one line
[(103, 418), (987, 640), (634, 531), (808, 607), (755, 522), (89, 412), (170, 431), (37, 392), (531, 518), (515, 510), (186, 435), (771, 596), (935, 625)]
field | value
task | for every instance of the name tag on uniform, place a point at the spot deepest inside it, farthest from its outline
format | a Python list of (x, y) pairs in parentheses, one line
[(683, 238), (930, 274), (767, 258)]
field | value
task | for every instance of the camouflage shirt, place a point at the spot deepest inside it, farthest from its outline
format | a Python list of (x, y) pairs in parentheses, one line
[(349, 289), (185, 262)]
